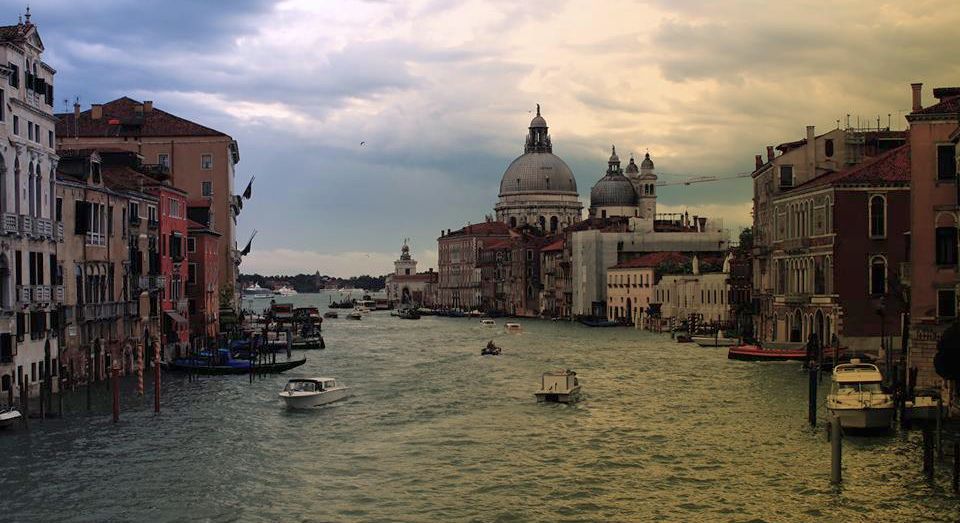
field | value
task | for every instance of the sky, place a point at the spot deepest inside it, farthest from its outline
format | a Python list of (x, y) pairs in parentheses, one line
[(440, 93)]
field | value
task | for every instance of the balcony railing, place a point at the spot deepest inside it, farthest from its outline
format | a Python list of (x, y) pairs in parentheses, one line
[(44, 228), (96, 238), (58, 293), (23, 294), (41, 294), (182, 305), (796, 298), (153, 223), (8, 223), (133, 308), (151, 283), (26, 225), (60, 232), (103, 311)]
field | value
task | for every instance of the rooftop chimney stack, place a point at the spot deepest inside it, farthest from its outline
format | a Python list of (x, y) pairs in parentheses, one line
[(96, 111), (811, 152), (916, 96), (76, 110), (147, 106), (759, 161), (769, 153)]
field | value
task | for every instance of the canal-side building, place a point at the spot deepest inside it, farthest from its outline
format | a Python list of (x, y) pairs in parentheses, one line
[(557, 294), (202, 161), (829, 205), (406, 286), (701, 294), (459, 271), (932, 274), (203, 277), (631, 284), (538, 188), (30, 287)]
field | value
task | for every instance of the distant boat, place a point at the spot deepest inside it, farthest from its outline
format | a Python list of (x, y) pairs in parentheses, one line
[(354, 315), (255, 291), (558, 387), (598, 322), (488, 323), (285, 291), (226, 364), (716, 340), (305, 393), (9, 417), (512, 327), (331, 314)]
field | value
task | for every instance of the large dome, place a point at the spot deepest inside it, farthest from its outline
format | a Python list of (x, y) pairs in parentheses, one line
[(613, 190), (538, 172)]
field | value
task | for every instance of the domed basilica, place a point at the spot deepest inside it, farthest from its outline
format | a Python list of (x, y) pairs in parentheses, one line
[(630, 193), (538, 188)]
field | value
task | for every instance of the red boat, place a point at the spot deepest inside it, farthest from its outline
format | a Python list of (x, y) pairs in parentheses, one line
[(757, 353)]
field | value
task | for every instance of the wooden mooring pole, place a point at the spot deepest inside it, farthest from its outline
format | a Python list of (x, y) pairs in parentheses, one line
[(836, 451), (956, 466), (928, 451), (812, 394)]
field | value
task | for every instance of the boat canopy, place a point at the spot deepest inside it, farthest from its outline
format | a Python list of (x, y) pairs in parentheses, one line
[(856, 372)]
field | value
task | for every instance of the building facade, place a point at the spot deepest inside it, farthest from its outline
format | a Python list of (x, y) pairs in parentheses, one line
[(30, 287), (201, 160), (408, 287), (705, 295), (203, 280), (459, 269), (932, 273)]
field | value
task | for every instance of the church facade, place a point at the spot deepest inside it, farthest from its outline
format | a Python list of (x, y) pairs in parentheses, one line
[(408, 287)]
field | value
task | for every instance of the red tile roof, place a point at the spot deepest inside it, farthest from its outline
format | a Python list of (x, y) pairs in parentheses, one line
[(123, 177), (121, 118), (890, 167), (482, 229), (498, 244), (947, 105), (553, 247)]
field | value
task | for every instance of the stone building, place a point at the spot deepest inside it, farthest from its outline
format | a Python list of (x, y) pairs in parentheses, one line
[(459, 271), (203, 272), (830, 205), (201, 161), (630, 286), (406, 286), (625, 193), (30, 277), (705, 294), (932, 273), (538, 188), (557, 294)]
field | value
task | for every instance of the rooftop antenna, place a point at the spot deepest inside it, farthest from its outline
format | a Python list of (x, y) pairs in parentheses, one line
[(888, 121), (848, 120), (878, 122)]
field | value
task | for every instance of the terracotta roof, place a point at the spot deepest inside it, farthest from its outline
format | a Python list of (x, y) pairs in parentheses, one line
[(890, 167), (947, 105), (123, 177), (121, 118), (653, 259), (498, 244), (553, 247), (10, 33), (482, 229)]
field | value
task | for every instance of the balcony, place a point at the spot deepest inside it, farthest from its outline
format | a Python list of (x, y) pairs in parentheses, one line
[(26, 226), (44, 228), (182, 306), (58, 293), (23, 294), (41, 294), (96, 239), (133, 309), (134, 219), (153, 223), (151, 283), (796, 298), (102, 311), (8, 223), (905, 273)]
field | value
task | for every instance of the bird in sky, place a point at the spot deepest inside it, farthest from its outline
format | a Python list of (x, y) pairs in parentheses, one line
[(361, 143)]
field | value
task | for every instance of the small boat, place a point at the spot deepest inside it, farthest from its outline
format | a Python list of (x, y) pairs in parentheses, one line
[(857, 397), (598, 322), (227, 364), (474, 313), (331, 314), (365, 305), (361, 309), (758, 353), (559, 386), (255, 291), (310, 342), (512, 327), (488, 323), (9, 417), (354, 315), (684, 338), (717, 340), (285, 290), (490, 350), (409, 314), (306, 393)]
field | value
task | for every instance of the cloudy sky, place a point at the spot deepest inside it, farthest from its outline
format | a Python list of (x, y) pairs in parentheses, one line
[(441, 94)]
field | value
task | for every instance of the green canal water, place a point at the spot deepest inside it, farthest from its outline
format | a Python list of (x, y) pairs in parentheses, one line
[(435, 432)]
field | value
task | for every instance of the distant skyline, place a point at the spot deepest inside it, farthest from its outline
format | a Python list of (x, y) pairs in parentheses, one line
[(440, 94)]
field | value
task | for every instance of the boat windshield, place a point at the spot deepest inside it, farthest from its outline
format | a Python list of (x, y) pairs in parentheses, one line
[(854, 387), (301, 386)]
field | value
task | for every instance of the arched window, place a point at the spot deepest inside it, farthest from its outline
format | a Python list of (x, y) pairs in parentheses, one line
[(946, 239), (878, 216), (30, 188), (554, 223), (878, 276), (38, 192), (16, 185), (513, 221)]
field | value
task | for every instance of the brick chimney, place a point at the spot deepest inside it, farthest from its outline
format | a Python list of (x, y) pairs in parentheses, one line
[(76, 110), (96, 111), (759, 161), (811, 152), (916, 96), (769, 153), (147, 106)]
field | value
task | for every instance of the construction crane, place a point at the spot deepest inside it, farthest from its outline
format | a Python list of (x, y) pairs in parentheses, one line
[(702, 179)]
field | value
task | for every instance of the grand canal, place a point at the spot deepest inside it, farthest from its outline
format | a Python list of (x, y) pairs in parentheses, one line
[(435, 432)]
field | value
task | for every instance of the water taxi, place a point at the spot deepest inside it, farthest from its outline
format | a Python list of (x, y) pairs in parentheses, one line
[(857, 397), (488, 323), (255, 292), (354, 315), (716, 340), (513, 327), (560, 386), (306, 393)]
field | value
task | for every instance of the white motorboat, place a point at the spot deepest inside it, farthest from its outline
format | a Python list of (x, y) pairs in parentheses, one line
[(488, 323), (362, 307), (255, 292), (286, 290), (354, 315), (306, 393), (560, 386), (717, 340), (857, 398), (513, 327), (9, 417)]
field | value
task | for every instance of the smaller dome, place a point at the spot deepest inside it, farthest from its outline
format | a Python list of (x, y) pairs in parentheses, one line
[(647, 163), (538, 122), (613, 190), (632, 167), (613, 155)]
